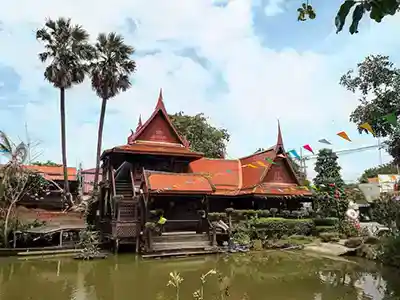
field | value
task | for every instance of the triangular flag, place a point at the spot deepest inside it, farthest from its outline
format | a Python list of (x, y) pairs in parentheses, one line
[(269, 160), (261, 164), (252, 166), (295, 154), (391, 119), (281, 155), (367, 127), (344, 135), (325, 141), (308, 148)]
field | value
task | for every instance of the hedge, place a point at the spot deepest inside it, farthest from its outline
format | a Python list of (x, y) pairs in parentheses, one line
[(277, 227), (326, 221)]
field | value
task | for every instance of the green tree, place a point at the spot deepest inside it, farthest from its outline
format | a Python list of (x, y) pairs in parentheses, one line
[(377, 10), (389, 168), (48, 163), (202, 136), (67, 50), (328, 171), (110, 75), (377, 82)]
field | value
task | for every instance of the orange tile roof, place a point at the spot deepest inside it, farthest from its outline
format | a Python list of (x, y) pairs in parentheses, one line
[(253, 176), (223, 173), (164, 182), (52, 172), (157, 148)]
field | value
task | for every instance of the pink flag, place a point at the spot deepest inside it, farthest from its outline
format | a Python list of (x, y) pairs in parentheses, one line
[(308, 148)]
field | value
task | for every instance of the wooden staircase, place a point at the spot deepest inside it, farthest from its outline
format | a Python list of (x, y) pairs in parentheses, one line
[(126, 227), (180, 244)]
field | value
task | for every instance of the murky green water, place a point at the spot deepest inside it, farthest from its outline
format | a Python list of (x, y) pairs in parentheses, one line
[(260, 276)]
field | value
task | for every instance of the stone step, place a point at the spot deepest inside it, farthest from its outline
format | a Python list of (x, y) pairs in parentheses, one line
[(181, 238), (173, 246)]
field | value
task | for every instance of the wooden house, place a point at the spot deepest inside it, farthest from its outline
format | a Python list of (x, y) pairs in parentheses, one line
[(54, 174), (157, 171)]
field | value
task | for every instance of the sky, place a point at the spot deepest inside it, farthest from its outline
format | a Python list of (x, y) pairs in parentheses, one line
[(243, 63)]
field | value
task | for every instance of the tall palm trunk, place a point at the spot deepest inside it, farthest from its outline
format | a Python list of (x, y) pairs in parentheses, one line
[(99, 142), (63, 144)]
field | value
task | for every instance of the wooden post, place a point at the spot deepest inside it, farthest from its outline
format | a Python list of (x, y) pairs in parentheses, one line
[(61, 238), (214, 236), (14, 239)]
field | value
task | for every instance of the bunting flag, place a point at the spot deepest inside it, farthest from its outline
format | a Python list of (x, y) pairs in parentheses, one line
[(261, 164), (270, 161), (391, 119), (344, 135), (367, 127), (325, 141), (308, 148), (281, 155), (295, 154)]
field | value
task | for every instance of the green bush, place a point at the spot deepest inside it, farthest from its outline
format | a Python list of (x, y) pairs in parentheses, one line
[(215, 215), (320, 229), (277, 227), (389, 253), (326, 221)]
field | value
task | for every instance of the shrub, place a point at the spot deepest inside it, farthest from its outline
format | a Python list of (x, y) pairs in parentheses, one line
[(320, 229), (277, 227), (348, 228), (273, 211), (389, 253), (215, 215), (328, 237), (326, 221)]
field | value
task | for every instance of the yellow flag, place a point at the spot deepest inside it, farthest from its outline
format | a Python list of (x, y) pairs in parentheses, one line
[(367, 127), (252, 166), (261, 164)]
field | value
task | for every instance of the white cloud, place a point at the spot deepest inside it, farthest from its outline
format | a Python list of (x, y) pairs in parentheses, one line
[(259, 83), (274, 7)]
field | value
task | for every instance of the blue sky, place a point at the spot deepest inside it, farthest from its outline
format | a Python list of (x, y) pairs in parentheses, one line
[(243, 63)]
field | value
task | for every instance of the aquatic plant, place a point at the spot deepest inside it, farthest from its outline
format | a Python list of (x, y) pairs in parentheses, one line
[(175, 281)]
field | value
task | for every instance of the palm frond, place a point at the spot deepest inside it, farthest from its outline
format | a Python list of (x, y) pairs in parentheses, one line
[(113, 65), (21, 152), (5, 143), (67, 49)]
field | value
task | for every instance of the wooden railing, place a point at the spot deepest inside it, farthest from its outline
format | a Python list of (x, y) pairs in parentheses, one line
[(114, 188)]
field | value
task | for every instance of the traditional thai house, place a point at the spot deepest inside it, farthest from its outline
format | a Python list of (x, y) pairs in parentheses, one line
[(54, 175), (157, 171)]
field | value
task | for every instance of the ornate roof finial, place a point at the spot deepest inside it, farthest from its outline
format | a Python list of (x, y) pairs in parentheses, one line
[(131, 138), (160, 102), (139, 123), (279, 143)]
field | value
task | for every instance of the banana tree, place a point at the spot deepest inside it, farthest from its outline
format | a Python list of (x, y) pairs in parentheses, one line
[(16, 181)]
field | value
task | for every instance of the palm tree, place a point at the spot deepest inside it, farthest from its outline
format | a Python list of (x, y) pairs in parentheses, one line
[(68, 50), (110, 75)]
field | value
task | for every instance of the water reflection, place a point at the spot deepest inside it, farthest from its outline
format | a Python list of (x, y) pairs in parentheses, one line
[(258, 276)]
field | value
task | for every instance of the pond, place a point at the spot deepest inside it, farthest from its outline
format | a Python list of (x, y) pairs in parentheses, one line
[(258, 276)]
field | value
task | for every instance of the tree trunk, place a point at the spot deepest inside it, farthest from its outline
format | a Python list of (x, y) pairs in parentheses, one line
[(6, 224), (63, 145), (99, 142)]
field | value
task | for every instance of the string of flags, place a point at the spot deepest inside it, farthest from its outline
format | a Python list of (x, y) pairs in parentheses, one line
[(389, 118)]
